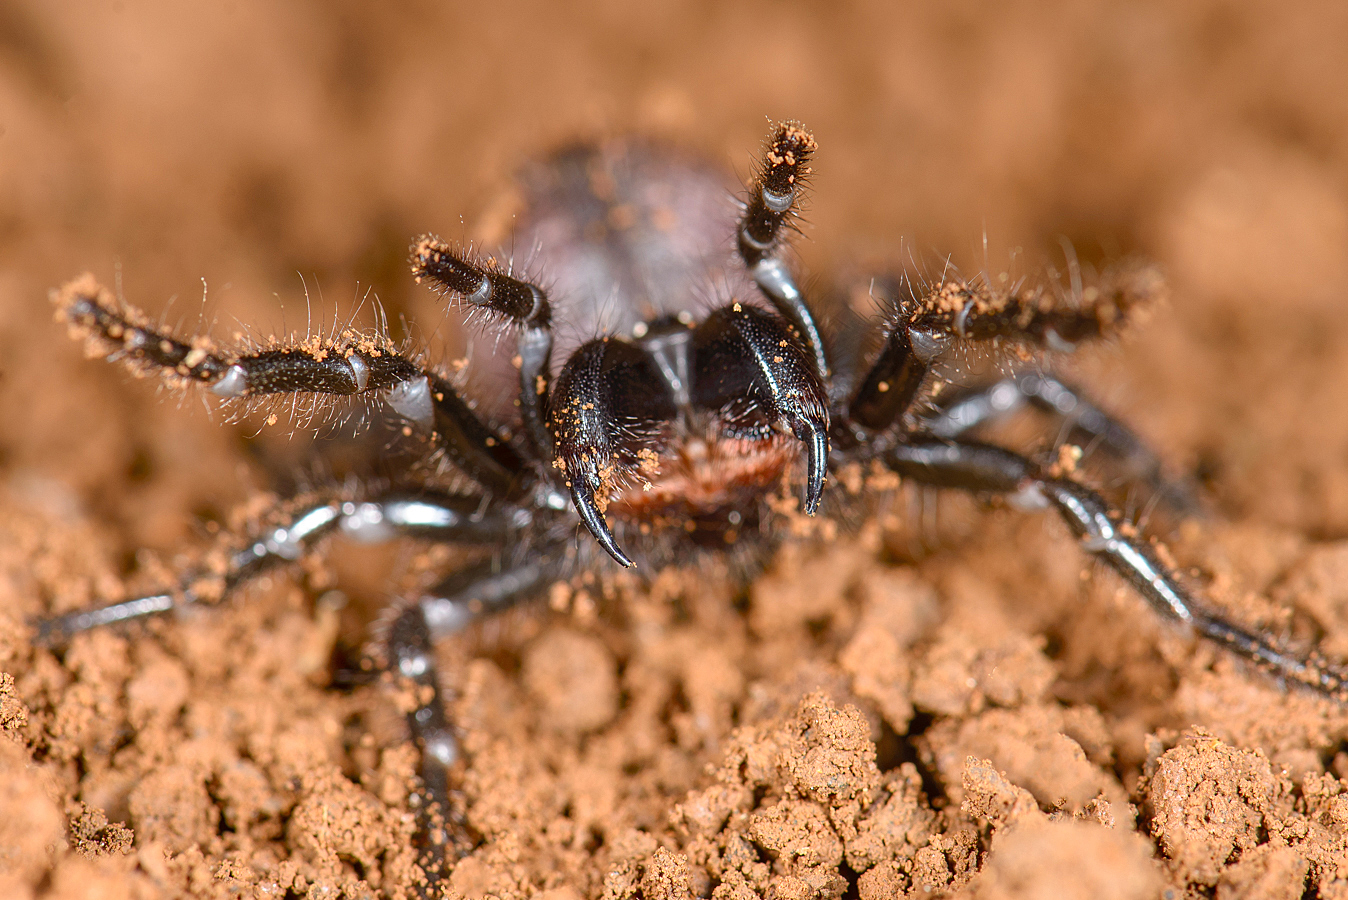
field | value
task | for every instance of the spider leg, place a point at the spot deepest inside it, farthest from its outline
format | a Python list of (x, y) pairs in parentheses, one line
[(925, 324), (478, 591), (894, 379), (988, 469), (520, 302), (352, 364), (770, 212), (451, 518), (1087, 423)]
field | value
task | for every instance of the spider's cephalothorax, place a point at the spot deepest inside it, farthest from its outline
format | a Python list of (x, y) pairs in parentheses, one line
[(710, 386), (703, 390)]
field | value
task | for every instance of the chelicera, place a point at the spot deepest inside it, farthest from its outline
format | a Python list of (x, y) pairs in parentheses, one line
[(709, 385)]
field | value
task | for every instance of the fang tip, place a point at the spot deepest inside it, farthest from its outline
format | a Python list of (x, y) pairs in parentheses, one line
[(815, 438), (583, 497)]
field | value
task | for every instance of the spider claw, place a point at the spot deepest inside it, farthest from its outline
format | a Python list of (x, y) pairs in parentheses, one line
[(583, 496), (815, 437)]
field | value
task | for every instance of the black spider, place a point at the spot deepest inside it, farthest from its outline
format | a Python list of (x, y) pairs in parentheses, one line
[(672, 432)]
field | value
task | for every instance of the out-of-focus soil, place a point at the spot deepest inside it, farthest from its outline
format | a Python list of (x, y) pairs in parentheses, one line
[(943, 700)]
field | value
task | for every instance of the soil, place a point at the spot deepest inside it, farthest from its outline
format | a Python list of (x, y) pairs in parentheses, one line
[(943, 699)]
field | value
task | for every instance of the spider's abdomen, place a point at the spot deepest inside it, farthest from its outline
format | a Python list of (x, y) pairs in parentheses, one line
[(629, 232)]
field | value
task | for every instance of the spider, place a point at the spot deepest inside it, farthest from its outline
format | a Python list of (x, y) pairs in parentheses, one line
[(673, 431)]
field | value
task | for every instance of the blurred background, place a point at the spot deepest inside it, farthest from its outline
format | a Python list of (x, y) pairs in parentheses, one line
[(250, 150)]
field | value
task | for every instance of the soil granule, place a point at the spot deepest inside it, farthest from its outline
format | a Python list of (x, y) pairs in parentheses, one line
[(942, 699)]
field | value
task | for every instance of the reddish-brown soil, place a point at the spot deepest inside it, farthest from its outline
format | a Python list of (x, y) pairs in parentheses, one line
[(991, 716)]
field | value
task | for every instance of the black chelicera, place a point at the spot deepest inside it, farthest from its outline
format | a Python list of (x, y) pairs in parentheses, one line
[(711, 386)]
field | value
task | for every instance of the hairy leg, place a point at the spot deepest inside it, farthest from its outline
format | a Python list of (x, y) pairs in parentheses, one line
[(769, 214), (521, 303), (925, 323), (351, 364)]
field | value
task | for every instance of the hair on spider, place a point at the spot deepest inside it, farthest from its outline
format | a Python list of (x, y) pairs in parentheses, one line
[(112, 328), (484, 289), (778, 190), (705, 425)]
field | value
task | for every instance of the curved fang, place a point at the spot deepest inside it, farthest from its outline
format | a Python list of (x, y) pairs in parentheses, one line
[(815, 437), (583, 496)]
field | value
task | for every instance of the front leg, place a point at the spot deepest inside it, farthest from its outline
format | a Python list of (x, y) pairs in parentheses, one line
[(351, 364), (926, 322), (483, 286)]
